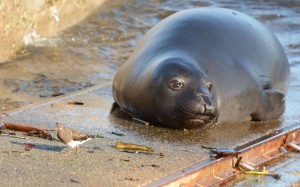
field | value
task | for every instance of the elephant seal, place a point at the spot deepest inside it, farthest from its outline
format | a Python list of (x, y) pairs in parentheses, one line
[(204, 65)]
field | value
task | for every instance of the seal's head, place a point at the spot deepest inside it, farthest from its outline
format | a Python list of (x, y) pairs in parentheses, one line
[(181, 95)]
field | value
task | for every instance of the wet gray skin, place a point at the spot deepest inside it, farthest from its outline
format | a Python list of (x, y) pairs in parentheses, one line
[(203, 65)]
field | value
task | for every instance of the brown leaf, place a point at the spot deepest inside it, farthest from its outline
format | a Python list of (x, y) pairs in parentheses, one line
[(28, 146)]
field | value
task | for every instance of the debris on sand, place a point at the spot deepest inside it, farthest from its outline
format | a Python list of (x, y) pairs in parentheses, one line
[(31, 130), (140, 121), (255, 172), (118, 134), (99, 136), (75, 103), (150, 165), (296, 173), (13, 135), (75, 181), (221, 152), (131, 179), (28, 146), (133, 147), (125, 159)]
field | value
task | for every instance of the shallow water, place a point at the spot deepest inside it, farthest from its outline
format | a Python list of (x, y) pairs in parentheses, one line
[(91, 51)]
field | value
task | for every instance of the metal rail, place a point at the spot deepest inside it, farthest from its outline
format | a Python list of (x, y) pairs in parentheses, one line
[(215, 172)]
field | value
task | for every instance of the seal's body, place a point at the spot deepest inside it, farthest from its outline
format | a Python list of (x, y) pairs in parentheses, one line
[(202, 65)]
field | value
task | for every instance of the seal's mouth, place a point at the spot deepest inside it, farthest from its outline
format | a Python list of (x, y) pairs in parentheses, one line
[(205, 117), (200, 119), (195, 123), (190, 114), (186, 120), (192, 120)]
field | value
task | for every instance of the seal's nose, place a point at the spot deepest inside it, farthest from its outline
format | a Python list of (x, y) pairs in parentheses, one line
[(206, 100), (204, 104), (207, 103)]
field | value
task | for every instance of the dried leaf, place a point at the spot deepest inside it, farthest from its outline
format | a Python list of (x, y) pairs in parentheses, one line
[(28, 146)]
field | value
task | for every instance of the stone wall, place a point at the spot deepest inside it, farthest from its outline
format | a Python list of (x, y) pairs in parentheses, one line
[(20, 18)]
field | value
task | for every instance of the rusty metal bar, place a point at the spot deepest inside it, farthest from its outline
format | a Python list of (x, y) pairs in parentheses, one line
[(293, 146), (214, 172)]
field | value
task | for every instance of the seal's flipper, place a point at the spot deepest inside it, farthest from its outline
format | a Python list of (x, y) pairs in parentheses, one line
[(114, 107), (273, 106)]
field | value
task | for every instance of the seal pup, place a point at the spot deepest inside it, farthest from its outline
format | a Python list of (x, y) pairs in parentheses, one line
[(201, 66)]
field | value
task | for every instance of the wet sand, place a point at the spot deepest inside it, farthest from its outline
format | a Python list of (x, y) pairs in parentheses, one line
[(98, 163)]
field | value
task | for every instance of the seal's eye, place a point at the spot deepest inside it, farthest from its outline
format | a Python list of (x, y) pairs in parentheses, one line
[(176, 84), (209, 86)]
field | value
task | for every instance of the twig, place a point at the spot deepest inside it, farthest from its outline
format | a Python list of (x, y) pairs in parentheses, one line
[(140, 121), (14, 136), (31, 130)]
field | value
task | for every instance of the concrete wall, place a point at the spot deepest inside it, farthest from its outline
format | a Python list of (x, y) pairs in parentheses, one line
[(19, 18)]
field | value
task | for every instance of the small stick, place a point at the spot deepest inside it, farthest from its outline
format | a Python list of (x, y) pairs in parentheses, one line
[(141, 121), (23, 128), (26, 128), (75, 103), (208, 147), (14, 136)]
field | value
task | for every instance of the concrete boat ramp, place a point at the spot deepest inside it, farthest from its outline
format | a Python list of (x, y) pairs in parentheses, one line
[(99, 164)]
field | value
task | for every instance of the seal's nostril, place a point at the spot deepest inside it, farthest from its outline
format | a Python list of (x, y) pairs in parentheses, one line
[(206, 100), (209, 108)]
